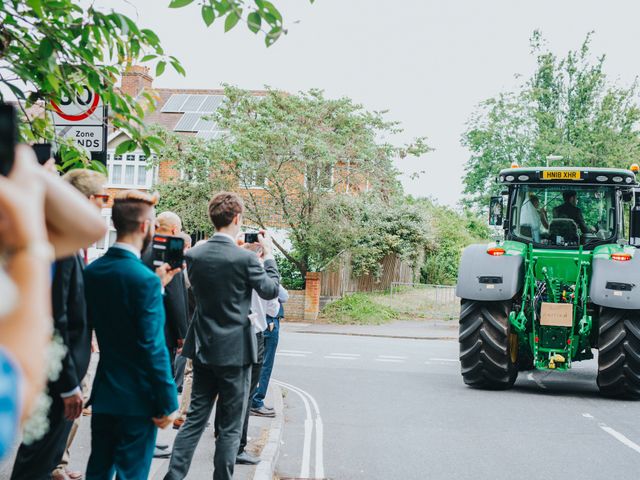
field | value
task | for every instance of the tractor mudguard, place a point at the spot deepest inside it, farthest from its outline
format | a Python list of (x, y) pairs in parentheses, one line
[(484, 277), (616, 284)]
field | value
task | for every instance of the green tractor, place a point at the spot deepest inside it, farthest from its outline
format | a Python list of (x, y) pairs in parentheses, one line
[(564, 281)]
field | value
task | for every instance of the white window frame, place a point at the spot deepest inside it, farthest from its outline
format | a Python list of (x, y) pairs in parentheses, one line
[(253, 184), (318, 173), (136, 159)]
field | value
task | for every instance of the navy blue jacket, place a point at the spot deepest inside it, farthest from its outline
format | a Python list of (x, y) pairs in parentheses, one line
[(124, 303)]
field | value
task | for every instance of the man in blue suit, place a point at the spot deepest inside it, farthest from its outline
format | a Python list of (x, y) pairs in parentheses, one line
[(133, 390)]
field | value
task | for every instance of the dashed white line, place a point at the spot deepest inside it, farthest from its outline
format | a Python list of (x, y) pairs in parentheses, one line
[(397, 357), (339, 357), (444, 360), (345, 354), (390, 360), (286, 354), (621, 438), (304, 352)]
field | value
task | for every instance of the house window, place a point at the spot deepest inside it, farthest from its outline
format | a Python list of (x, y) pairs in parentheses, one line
[(131, 170), (320, 177), (253, 177)]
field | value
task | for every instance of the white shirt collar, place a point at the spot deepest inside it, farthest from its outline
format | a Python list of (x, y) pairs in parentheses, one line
[(220, 234), (128, 248)]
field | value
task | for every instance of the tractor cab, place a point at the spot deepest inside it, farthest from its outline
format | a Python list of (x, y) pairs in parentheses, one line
[(563, 208)]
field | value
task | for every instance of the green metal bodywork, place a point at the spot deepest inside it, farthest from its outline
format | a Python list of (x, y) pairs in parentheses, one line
[(565, 275)]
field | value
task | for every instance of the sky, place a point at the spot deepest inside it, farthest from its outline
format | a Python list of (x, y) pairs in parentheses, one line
[(428, 62)]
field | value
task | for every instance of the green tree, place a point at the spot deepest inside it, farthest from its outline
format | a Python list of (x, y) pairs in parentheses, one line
[(567, 108), (311, 165), (50, 48)]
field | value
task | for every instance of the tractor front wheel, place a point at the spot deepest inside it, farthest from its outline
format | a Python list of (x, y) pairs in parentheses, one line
[(619, 353), (487, 355)]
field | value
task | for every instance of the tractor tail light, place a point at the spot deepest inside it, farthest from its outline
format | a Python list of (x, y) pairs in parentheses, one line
[(496, 251), (621, 257)]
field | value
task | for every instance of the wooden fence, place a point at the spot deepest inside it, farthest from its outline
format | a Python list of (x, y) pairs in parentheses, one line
[(337, 278)]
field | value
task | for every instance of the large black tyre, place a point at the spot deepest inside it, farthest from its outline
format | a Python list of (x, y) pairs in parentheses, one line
[(488, 350), (619, 356)]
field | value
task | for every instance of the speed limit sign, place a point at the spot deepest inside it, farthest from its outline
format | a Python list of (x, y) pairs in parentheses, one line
[(83, 120)]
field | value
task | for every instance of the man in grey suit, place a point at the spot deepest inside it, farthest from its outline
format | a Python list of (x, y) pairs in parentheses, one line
[(221, 341)]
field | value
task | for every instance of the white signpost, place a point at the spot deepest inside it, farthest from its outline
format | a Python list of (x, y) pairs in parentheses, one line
[(83, 120)]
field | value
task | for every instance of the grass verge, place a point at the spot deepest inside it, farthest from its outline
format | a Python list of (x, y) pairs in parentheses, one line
[(358, 309)]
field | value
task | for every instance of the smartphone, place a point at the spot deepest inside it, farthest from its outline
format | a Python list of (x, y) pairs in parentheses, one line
[(251, 237), (43, 152), (8, 137), (168, 249)]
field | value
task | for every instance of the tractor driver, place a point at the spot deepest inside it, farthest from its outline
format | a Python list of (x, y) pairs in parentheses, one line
[(570, 210), (534, 216)]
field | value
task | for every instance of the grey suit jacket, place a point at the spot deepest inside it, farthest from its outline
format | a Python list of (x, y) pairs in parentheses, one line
[(222, 277)]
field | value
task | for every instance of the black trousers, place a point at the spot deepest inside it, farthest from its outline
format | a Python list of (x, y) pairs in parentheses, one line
[(230, 385), (37, 460)]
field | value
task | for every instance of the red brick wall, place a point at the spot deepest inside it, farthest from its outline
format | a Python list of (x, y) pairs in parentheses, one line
[(312, 297), (294, 308)]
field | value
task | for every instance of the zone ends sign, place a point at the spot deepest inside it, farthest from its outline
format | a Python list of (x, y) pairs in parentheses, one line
[(82, 119)]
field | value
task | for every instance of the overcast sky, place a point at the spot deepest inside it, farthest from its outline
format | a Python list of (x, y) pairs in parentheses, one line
[(429, 62)]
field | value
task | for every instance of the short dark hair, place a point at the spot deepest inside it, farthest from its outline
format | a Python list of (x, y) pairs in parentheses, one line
[(568, 195), (223, 207), (130, 209)]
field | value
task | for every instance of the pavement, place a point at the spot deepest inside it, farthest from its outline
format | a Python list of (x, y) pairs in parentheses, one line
[(374, 405), (264, 441)]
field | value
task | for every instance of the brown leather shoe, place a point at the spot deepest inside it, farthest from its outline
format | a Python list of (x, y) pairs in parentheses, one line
[(177, 423), (59, 474)]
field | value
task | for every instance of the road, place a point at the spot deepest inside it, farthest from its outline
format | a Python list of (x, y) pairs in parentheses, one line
[(398, 409)]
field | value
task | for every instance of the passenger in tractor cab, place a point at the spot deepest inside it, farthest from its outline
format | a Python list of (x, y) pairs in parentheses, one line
[(534, 217), (570, 210)]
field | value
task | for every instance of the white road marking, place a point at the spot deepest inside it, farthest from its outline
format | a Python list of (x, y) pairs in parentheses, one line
[(319, 457), (393, 356), (390, 360), (621, 438), (345, 354), (285, 354), (537, 381), (305, 352), (339, 357), (587, 415), (444, 360)]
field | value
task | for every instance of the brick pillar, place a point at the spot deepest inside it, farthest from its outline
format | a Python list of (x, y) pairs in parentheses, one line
[(312, 297)]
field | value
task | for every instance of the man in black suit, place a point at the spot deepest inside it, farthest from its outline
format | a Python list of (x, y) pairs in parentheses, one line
[(221, 340), (37, 460), (175, 301)]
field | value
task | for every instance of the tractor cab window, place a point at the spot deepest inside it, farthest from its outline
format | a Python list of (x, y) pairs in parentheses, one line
[(563, 216)]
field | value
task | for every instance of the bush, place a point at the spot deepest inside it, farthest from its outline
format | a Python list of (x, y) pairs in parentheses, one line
[(290, 276), (358, 309)]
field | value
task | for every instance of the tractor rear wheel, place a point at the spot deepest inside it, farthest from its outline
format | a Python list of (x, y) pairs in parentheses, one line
[(619, 356), (487, 355)]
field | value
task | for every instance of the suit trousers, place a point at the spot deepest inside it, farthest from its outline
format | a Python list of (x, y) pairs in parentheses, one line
[(121, 445), (37, 460), (255, 377), (230, 385)]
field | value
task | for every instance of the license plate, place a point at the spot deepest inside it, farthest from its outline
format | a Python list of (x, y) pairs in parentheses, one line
[(561, 175)]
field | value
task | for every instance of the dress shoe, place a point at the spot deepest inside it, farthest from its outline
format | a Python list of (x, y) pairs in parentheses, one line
[(263, 412), (157, 453), (162, 446), (59, 474), (86, 412), (245, 458)]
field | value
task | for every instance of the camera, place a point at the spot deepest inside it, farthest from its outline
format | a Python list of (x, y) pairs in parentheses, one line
[(251, 237), (168, 249)]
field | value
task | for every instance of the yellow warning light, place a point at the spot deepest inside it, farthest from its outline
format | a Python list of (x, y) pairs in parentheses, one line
[(635, 168), (514, 165)]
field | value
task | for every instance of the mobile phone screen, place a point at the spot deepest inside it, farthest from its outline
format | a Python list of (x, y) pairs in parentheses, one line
[(175, 252), (8, 137), (250, 238)]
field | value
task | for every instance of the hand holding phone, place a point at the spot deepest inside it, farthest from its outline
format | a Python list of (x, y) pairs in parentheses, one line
[(251, 237)]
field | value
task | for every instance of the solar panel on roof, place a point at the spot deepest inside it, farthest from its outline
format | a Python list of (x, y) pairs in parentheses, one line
[(211, 103), (187, 122), (212, 135), (193, 103), (205, 125), (174, 104)]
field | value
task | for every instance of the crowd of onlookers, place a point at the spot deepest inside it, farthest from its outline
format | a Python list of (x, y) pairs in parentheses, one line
[(208, 328)]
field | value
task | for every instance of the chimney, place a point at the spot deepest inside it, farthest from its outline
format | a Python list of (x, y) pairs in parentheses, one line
[(135, 79)]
